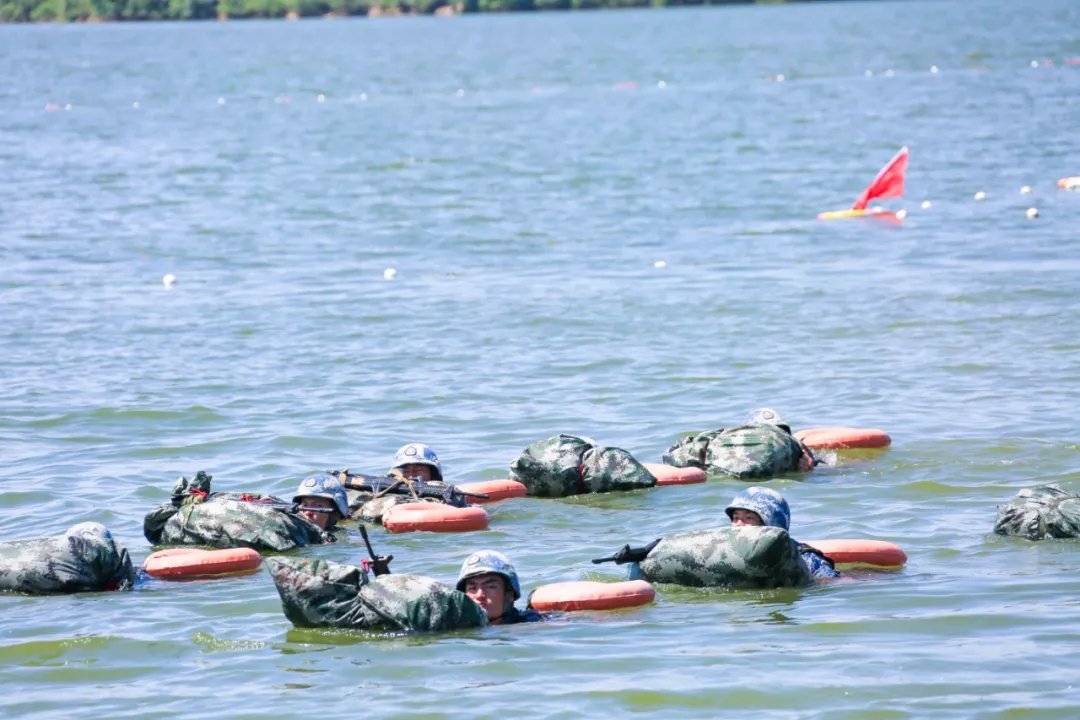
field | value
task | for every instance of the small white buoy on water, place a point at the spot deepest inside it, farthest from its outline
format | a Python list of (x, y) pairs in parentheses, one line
[(389, 273), (363, 96), (169, 280), (889, 73), (135, 105), (1032, 213), (221, 101), (926, 205), (460, 93), (980, 195), (321, 98), (869, 73), (901, 214), (68, 106), (1034, 63), (661, 84), (659, 264), (1026, 190), (933, 68)]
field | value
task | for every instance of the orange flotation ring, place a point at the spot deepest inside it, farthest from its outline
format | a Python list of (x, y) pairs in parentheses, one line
[(434, 517), (495, 490), (871, 553), (180, 563), (840, 437), (589, 595), (671, 475)]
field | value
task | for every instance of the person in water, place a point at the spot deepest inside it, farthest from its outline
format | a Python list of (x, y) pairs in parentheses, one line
[(322, 501), (417, 461), (760, 506), (489, 578), (761, 447)]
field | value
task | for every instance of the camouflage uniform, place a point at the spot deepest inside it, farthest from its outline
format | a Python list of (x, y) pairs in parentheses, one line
[(226, 520), (738, 557), (84, 559), (1041, 512), (570, 465), (320, 593), (744, 452), (773, 510)]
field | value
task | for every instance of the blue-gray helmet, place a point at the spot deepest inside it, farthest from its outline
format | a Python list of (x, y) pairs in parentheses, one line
[(327, 486), (767, 416), (489, 561), (418, 454), (770, 506)]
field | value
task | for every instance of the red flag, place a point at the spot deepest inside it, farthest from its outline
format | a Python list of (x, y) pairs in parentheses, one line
[(889, 183)]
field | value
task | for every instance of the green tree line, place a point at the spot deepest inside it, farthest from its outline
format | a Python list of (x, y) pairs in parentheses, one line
[(120, 10)]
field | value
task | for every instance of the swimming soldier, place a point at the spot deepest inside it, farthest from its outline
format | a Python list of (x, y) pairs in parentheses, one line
[(489, 578), (415, 466), (764, 507), (762, 446)]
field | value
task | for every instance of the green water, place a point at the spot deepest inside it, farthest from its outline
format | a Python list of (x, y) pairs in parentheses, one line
[(524, 192)]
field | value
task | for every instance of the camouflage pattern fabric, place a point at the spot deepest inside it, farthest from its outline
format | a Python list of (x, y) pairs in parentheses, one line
[(1041, 512), (321, 593), (84, 559), (744, 452), (740, 557), (818, 567), (373, 510), (569, 465), (515, 616)]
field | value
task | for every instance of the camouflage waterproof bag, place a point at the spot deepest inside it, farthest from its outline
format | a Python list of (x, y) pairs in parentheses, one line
[(84, 559), (321, 593), (753, 451), (570, 465), (737, 557), (1041, 512), (690, 451)]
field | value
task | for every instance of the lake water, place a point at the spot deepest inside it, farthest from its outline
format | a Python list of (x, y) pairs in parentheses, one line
[(524, 174)]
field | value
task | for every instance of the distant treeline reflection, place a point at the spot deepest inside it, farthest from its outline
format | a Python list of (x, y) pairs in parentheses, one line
[(121, 10)]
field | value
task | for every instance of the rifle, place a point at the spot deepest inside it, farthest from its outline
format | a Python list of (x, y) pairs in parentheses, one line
[(284, 507), (628, 554), (379, 563), (397, 484)]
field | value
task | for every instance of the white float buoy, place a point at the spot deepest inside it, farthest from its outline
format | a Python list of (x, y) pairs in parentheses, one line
[(169, 280), (779, 78), (1026, 190), (661, 84), (869, 73), (901, 214), (889, 73), (321, 98), (659, 264), (389, 273), (221, 101), (933, 68), (363, 96), (1032, 213), (461, 93), (980, 195), (926, 204), (1034, 63), (135, 105), (68, 106)]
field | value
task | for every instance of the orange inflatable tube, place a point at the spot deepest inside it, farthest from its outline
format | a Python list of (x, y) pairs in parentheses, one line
[(495, 490), (589, 595), (669, 475), (837, 438), (434, 517), (179, 563), (867, 553)]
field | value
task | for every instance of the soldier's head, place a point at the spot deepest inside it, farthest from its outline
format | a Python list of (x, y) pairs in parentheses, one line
[(489, 578), (767, 416), (418, 461), (322, 500), (769, 506)]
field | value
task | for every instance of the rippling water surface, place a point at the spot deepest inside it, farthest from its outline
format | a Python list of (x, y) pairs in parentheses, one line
[(524, 175)]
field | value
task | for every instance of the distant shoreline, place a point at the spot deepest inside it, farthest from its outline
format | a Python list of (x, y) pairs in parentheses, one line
[(95, 11)]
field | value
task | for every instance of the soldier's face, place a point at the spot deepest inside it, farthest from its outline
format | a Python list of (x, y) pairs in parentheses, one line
[(322, 519), (417, 471), (746, 518), (489, 592)]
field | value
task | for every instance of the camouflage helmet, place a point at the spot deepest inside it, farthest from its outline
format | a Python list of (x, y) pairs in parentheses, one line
[(418, 454), (325, 486), (770, 506), (489, 561), (767, 416)]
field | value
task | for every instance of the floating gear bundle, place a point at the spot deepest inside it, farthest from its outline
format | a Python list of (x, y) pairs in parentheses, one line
[(84, 559), (1040, 512), (570, 465), (745, 452)]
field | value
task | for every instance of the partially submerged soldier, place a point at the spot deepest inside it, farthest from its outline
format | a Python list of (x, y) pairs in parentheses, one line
[(415, 466), (196, 516), (764, 507), (417, 461), (489, 578), (762, 446)]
